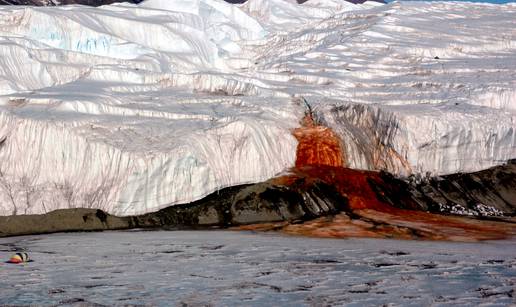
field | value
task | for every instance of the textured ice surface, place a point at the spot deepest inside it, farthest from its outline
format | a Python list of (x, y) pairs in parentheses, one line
[(131, 108), (222, 268)]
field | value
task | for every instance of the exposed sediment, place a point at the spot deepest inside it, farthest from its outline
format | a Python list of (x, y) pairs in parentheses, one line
[(321, 201), (491, 192), (246, 204), (383, 206)]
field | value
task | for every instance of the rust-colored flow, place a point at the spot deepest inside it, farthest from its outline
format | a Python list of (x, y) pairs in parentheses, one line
[(318, 145), (369, 216), (372, 217), (319, 157)]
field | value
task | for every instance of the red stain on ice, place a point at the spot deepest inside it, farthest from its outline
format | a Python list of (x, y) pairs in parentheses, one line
[(320, 157), (318, 145)]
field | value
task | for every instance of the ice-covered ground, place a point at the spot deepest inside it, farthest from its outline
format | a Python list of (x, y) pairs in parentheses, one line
[(131, 108), (223, 268)]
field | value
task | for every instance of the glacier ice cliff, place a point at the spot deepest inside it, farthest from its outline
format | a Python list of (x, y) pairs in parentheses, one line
[(131, 108)]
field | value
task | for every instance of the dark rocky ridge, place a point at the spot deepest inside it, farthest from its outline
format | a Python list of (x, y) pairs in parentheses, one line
[(238, 205), (490, 192), (297, 198)]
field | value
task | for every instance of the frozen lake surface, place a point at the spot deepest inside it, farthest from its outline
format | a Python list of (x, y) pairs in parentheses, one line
[(225, 268)]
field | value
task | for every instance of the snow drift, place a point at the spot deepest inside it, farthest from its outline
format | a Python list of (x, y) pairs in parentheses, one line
[(131, 108)]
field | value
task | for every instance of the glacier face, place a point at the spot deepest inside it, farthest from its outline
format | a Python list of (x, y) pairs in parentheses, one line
[(131, 108)]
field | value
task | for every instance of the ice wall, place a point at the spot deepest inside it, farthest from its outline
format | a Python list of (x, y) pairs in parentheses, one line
[(132, 108)]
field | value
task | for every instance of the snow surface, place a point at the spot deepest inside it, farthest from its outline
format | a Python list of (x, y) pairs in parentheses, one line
[(132, 108), (222, 268)]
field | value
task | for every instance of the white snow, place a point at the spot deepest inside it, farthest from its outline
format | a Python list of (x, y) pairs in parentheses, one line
[(132, 108)]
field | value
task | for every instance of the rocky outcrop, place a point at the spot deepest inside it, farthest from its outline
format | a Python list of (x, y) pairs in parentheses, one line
[(383, 206), (257, 203), (270, 201), (490, 192)]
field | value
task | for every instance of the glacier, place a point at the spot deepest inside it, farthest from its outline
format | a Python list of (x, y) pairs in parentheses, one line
[(131, 108)]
